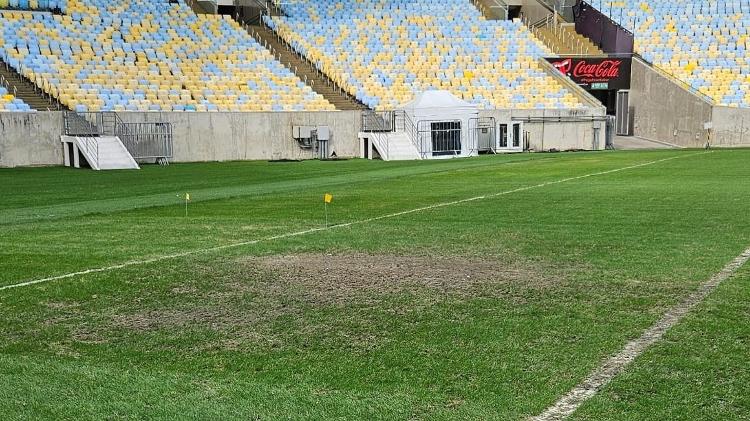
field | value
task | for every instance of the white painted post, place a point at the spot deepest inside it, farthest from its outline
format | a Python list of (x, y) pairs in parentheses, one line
[(66, 154), (75, 156)]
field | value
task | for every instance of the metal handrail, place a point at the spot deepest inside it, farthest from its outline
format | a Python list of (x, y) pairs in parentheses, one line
[(318, 68), (91, 145), (408, 127), (142, 140)]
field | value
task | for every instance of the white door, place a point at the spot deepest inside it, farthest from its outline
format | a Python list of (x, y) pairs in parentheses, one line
[(510, 137), (517, 135)]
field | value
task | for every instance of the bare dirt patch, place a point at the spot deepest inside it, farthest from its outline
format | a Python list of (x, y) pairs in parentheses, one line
[(267, 300), (337, 279)]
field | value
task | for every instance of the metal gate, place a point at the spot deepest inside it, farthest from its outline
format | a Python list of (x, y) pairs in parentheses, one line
[(609, 132), (622, 113), (482, 131), (439, 138)]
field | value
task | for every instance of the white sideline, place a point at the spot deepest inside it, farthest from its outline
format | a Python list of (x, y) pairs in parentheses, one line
[(615, 364), (348, 224)]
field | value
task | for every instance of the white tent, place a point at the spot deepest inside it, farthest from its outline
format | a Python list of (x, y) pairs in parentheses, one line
[(438, 118)]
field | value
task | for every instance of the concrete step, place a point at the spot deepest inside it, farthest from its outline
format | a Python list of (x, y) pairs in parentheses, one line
[(305, 70), (565, 40), (102, 153), (490, 9), (26, 90)]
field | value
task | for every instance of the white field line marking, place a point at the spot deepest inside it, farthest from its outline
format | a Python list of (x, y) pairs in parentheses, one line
[(618, 362), (348, 224)]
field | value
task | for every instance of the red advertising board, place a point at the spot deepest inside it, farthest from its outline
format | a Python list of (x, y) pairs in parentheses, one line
[(600, 73)]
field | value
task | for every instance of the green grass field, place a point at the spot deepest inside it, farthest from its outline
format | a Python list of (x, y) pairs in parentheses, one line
[(484, 309)]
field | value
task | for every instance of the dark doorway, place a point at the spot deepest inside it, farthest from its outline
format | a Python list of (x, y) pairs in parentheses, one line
[(446, 138), (608, 98), (514, 12)]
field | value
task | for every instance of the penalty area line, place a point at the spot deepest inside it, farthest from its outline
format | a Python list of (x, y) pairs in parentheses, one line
[(615, 364), (332, 227)]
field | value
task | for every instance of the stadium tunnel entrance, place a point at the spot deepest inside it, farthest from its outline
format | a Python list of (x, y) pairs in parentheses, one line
[(606, 78)]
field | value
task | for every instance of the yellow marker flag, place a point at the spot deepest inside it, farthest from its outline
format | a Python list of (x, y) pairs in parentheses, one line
[(328, 198), (187, 196)]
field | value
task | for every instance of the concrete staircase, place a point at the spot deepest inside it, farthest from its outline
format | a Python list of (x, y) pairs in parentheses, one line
[(27, 91), (305, 70), (101, 152), (492, 9), (393, 146), (197, 7), (563, 39)]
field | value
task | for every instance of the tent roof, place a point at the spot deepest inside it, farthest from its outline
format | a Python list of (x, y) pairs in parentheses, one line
[(437, 99)]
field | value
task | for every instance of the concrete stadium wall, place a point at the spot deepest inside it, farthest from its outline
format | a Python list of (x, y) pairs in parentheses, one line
[(665, 111), (571, 129), (730, 127), (247, 136), (29, 139)]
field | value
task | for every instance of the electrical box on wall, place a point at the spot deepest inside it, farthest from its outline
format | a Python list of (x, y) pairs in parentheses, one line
[(303, 132), (313, 137)]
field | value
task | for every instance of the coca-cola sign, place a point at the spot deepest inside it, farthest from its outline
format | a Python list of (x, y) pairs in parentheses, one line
[(595, 73)]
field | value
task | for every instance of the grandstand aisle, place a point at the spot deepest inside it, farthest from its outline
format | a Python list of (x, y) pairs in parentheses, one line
[(385, 51), (148, 56)]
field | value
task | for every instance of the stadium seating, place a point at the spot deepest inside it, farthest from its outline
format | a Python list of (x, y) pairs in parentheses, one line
[(10, 103), (703, 43), (149, 56), (60, 5), (383, 52)]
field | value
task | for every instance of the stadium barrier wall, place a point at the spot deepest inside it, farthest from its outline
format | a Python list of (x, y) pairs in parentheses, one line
[(235, 136), (563, 130), (33, 139), (666, 111), (30, 139), (730, 127), (611, 37)]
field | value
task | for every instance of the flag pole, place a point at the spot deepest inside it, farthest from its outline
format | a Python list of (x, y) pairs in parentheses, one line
[(326, 200), (186, 203)]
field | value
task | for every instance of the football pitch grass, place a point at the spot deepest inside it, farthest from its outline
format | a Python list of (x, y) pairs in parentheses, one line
[(489, 308)]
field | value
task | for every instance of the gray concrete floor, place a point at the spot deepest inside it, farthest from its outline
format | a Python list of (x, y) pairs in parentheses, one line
[(625, 143)]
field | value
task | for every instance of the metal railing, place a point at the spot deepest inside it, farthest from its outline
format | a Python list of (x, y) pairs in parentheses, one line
[(563, 38), (82, 124), (484, 129), (146, 140), (142, 140), (338, 84), (8, 86), (496, 4), (91, 149), (378, 121), (405, 124), (53, 103)]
